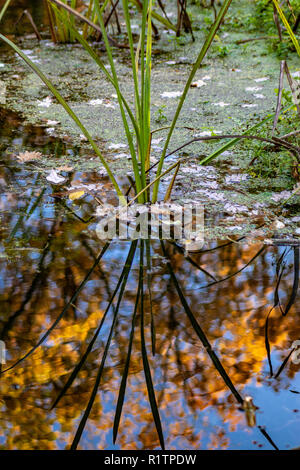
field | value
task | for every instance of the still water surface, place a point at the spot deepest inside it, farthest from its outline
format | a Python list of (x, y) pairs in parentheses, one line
[(48, 248)]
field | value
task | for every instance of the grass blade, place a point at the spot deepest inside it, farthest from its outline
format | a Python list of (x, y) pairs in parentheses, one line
[(234, 141), (153, 329), (149, 383), (181, 250), (125, 124), (284, 363), (133, 58), (267, 342), (279, 97), (200, 333), (259, 252), (4, 8), (172, 182), (123, 384)]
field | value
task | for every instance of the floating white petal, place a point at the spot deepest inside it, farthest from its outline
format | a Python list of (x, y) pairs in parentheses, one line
[(262, 79), (96, 102), (221, 104), (253, 88), (117, 146), (171, 94), (207, 133), (55, 178), (45, 103), (52, 123), (249, 105), (198, 84)]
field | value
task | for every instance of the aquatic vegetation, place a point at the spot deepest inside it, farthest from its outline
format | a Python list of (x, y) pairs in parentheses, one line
[(272, 15), (136, 122), (3, 9), (287, 26), (140, 117), (59, 23)]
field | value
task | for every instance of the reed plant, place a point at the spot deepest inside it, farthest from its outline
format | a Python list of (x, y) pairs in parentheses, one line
[(60, 30)]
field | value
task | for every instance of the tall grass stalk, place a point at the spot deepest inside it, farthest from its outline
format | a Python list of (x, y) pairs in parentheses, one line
[(4, 8), (156, 16)]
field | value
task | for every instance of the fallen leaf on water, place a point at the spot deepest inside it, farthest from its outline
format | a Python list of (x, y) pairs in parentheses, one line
[(29, 156), (221, 104), (99, 102), (117, 146), (262, 79), (253, 105), (96, 102), (250, 410), (198, 84), (50, 131), (45, 103), (76, 195), (55, 178), (156, 141), (65, 168), (171, 94)]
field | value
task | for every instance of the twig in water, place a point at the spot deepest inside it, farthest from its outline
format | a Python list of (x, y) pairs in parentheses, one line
[(260, 38), (36, 31)]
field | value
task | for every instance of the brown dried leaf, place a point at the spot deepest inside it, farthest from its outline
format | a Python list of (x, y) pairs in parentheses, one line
[(65, 168), (25, 157)]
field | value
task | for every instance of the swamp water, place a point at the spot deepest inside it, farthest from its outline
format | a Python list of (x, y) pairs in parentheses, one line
[(218, 397), (49, 248)]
